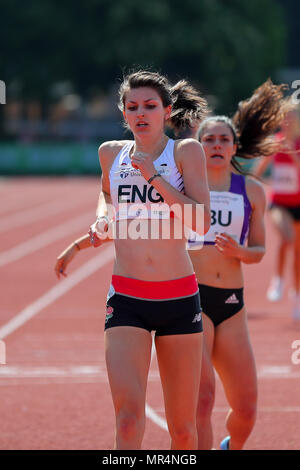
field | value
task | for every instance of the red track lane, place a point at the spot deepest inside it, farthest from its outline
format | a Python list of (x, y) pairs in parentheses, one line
[(54, 390)]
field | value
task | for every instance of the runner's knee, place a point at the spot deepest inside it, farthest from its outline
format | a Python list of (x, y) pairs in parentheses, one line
[(183, 434), (206, 401), (130, 424), (246, 410)]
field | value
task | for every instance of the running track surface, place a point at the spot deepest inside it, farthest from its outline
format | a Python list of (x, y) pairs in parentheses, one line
[(54, 389)]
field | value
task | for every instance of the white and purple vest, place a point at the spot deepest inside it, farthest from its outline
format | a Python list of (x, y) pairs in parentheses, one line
[(230, 213)]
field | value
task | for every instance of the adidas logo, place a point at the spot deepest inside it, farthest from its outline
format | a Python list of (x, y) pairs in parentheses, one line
[(232, 300), (197, 318)]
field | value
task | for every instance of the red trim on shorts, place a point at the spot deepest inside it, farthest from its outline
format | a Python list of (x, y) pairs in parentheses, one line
[(155, 290)]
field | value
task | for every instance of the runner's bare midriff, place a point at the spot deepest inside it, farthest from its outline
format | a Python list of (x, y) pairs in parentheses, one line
[(216, 270), (152, 259)]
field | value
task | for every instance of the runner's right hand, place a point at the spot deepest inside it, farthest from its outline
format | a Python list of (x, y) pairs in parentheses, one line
[(98, 231), (64, 259)]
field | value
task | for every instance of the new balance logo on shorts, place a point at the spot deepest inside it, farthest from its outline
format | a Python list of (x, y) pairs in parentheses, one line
[(197, 318), (232, 300)]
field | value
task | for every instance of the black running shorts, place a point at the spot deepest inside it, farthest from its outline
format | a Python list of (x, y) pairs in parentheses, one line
[(220, 304), (165, 317)]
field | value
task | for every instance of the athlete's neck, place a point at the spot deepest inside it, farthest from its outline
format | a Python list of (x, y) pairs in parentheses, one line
[(219, 179), (150, 146)]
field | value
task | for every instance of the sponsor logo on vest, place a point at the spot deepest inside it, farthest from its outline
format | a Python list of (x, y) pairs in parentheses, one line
[(232, 300), (129, 171), (124, 172)]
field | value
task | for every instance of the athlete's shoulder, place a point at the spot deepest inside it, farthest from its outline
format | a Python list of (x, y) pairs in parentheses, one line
[(255, 191), (253, 184), (189, 143), (188, 149), (111, 147)]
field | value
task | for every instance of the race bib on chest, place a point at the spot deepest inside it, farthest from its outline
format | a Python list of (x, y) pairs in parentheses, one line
[(227, 215), (137, 198), (285, 179)]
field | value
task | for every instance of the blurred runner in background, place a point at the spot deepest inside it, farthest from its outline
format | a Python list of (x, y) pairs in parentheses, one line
[(284, 206), (236, 236)]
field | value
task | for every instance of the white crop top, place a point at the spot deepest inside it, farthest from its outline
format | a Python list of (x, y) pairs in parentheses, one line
[(132, 196)]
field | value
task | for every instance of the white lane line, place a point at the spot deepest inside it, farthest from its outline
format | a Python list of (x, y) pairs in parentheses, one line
[(52, 371), (96, 372), (151, 414), (278, 372), (80, 370), (27, 216), (11, 382), (16, 204), (104, 257), (21, 201), (46, 238), (263, 409), (275, 372)]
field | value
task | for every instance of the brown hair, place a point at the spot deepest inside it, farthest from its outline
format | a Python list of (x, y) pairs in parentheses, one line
[(187, 104), (255, 122)]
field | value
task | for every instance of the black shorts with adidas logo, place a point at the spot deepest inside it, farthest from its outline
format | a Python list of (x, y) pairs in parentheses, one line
[(220, 304)]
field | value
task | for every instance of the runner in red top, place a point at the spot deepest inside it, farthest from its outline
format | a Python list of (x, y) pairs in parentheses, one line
[(285, 206), (286, 175)]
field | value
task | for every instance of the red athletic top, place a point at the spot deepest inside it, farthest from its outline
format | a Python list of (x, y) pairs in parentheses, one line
[(286, 178)]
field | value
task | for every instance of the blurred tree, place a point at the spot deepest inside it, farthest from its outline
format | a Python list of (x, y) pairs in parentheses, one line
[(226, 47), (292, 17)]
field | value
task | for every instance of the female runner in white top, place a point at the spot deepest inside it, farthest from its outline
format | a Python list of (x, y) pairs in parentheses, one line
[(153, 285)]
